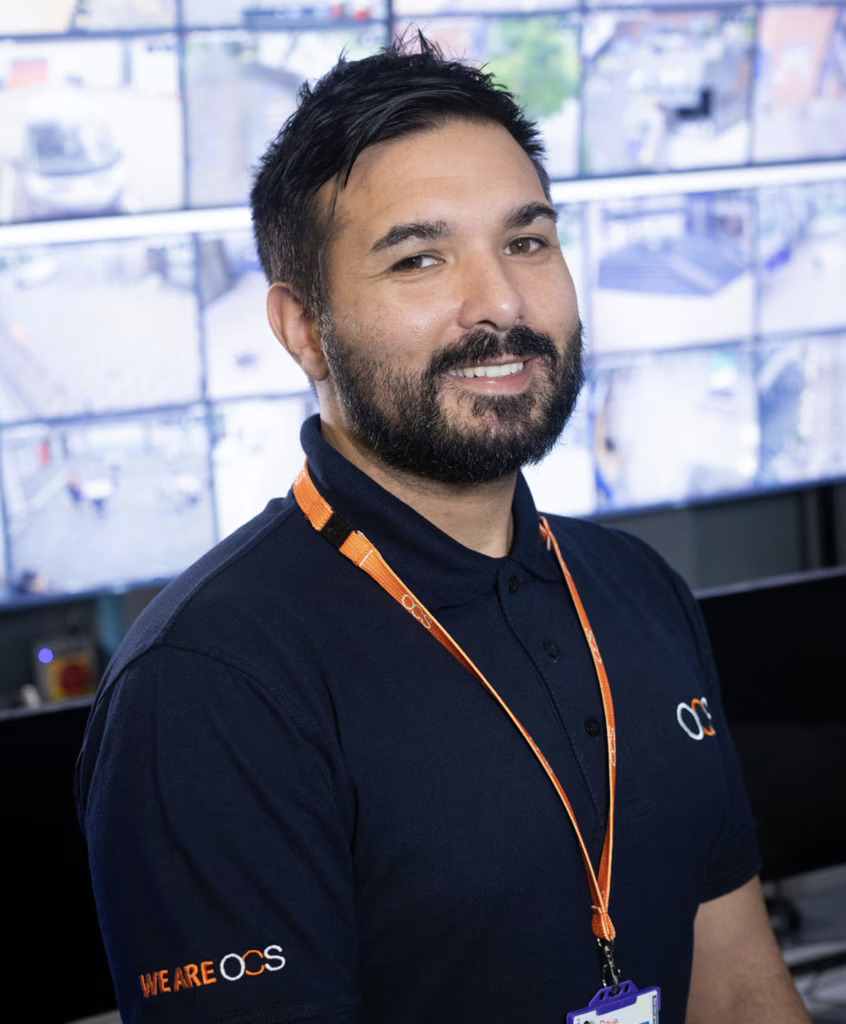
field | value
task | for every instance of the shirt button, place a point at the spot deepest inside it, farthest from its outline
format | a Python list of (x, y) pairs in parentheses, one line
[(552, 649), (592, 726), (513, 585)]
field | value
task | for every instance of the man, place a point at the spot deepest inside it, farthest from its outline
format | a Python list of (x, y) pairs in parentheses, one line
[(300, 805)]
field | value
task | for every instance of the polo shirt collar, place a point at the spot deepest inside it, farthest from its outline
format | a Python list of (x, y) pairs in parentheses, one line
[(439, 570)]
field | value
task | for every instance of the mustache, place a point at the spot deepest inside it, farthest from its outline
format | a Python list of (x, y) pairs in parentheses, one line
[(481, 346)]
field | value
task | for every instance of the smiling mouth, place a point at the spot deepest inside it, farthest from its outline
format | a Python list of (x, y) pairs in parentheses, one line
[(505, 370)]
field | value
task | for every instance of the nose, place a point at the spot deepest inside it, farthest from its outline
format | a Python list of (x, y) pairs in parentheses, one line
[(490, 295)]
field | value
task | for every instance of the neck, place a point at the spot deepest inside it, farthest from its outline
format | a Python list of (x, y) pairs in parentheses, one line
[(476, 515)]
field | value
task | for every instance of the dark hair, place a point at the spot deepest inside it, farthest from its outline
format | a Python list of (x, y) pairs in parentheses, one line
[(358, 103)]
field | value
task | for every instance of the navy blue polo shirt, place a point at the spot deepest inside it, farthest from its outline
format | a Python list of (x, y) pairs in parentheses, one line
[(300, 807)]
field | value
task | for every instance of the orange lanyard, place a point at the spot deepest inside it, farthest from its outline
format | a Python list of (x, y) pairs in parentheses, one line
[(358, 549)]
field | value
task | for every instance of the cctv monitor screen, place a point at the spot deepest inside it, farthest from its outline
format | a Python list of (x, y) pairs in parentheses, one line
[(800, 87), (242, 355), (673, 425), (99, 327), (802, 257), (537, 58), (671, 271), (125, 499), (241, 86), (665, 90), (91, 126)]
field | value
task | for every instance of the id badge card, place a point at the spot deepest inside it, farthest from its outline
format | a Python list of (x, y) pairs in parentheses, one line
[(628, 1006)]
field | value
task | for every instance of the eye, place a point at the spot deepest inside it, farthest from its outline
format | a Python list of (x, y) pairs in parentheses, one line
[(523, 246), (420, 261)]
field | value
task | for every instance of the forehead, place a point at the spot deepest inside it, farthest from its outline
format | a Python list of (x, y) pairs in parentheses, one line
[(461, 171)]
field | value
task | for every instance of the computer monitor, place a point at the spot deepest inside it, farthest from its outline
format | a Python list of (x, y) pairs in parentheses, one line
[(781, 657)]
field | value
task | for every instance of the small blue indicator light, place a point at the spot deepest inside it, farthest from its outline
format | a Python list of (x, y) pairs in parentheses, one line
[(45, 655)]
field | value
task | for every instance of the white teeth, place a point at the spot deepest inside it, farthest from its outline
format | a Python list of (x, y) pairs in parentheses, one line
[(488, 371)]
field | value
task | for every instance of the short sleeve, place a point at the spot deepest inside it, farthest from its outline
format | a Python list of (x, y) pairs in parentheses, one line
[(219, 831)]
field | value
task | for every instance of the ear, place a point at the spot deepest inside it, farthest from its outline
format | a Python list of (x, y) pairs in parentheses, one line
[(296, 330)]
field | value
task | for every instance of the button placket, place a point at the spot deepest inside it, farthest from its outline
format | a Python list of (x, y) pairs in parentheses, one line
[(535, 618)]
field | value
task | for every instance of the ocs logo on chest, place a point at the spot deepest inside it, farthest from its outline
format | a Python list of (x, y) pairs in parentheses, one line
[(695, 718)]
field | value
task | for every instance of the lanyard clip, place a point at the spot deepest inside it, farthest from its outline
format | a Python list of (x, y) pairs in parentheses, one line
[(610, 971)]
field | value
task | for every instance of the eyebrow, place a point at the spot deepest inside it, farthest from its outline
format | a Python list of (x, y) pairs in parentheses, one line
[(525, 215), (425, 230)]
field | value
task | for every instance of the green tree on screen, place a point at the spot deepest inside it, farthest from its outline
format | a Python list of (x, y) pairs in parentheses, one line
[(536, 58)]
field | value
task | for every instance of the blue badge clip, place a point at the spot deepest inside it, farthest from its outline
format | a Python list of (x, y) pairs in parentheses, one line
[(624, 1003)]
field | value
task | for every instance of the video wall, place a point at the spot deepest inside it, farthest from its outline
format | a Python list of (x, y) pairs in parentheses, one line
[(698, 158)]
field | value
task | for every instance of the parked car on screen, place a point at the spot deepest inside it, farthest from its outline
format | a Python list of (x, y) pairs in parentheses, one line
[(70, 168)]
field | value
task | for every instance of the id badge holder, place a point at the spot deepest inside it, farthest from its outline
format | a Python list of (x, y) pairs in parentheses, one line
[(623, 1004)]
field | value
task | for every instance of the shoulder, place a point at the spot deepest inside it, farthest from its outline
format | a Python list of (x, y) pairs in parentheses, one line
[(231, 631), (224, 595)]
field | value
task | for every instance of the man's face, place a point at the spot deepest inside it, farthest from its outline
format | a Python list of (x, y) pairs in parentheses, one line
[(451, 335)]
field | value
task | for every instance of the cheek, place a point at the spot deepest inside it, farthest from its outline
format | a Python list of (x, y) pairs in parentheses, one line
[(553, 299), (411, 329)]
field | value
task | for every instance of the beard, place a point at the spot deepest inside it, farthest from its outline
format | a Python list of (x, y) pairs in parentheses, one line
[(400, 416)]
